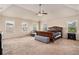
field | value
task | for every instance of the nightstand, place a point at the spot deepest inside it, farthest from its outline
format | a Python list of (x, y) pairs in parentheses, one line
[(72, 36)]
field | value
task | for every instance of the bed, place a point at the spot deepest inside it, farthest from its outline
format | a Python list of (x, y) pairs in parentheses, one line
[(52, 34), (56, 31)]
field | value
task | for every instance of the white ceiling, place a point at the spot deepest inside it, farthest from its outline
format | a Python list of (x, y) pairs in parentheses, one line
[(4, 7), (53, 10)]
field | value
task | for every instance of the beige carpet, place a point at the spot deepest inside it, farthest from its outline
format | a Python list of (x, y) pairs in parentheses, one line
[(29, 46)]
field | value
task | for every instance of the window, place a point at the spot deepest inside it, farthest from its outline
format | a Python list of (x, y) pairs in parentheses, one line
[(45, 27), (72, 26), (34, 27)]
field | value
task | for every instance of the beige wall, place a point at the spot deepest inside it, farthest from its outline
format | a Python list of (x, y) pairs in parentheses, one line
[(18, 15), (51, 22), (63, 23), (18, 28)]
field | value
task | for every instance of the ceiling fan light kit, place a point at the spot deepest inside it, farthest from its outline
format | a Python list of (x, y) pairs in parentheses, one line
[(41, 11)]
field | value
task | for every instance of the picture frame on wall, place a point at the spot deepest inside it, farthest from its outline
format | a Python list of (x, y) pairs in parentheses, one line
[(24, 27)]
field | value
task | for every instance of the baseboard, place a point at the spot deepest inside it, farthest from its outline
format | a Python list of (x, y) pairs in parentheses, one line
[(16, 37)]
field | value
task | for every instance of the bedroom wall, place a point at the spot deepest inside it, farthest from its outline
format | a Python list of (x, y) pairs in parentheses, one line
[(18, 15), (62, 22), (17, 29)]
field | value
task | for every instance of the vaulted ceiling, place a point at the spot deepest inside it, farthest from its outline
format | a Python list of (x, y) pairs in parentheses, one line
[(53, 10)]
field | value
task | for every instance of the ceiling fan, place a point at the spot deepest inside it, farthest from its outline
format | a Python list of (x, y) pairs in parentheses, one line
[(41, 12)]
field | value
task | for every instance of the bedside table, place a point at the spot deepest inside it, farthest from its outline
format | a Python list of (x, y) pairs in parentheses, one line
[(33, 34), (72, 36)]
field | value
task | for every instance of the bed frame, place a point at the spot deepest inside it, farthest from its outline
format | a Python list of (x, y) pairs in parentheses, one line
[(56, 29), (50, 31)]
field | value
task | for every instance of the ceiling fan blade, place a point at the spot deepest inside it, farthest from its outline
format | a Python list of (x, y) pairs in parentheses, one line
[(44, 13)]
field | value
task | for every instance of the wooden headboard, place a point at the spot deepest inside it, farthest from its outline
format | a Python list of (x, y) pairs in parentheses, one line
[(55, 29)]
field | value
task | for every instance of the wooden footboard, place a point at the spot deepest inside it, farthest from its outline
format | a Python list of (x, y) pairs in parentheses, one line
[(46, 34)]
